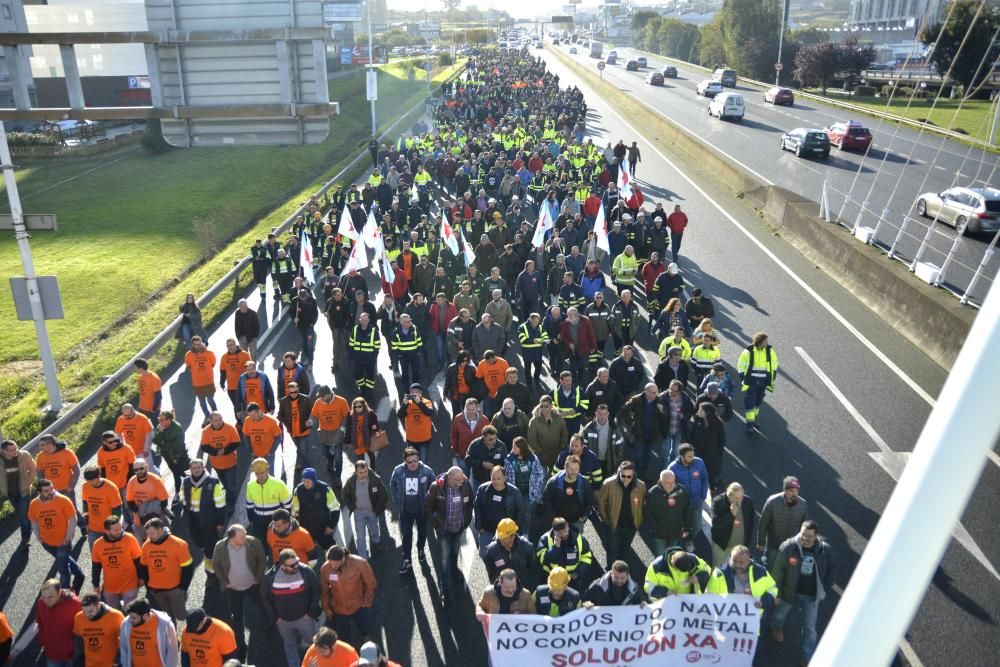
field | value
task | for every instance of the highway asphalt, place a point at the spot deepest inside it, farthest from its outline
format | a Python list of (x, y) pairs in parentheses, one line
[(901, 164), (825, 338)]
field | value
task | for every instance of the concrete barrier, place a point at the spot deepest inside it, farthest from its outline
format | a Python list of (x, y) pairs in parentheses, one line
[(926, 316)]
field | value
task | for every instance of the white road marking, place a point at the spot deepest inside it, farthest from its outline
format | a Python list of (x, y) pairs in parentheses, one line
[(899, 372), (891, 461)]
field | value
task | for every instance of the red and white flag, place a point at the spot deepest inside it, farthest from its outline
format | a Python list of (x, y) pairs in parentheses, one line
[(601, 230), (305, 252), (346, 226), (624, 180), (383, 266), (448, 236), (357, 260), (370, 230)]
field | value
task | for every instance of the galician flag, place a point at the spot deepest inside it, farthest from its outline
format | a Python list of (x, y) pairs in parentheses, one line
[(470, 256), (448, 236), (370, 230), (543, 225), (624, 180), (346, 226), (305, 252), (601, 230), (357, 260)]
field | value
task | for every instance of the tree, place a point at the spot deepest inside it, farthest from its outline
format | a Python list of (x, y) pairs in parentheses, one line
[(809, 36), (677, 39), (818, 63), (648, 40), (750, 35), (640, 18), (711, 50), (855, 57), (969, 62)]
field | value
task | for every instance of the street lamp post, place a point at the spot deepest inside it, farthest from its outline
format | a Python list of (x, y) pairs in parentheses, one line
[(371, 67), (781, 41)]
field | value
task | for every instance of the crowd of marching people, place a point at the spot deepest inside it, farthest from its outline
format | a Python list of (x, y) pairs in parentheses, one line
[(583, 382)]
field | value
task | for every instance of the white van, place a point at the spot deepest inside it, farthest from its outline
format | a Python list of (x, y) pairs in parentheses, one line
[(727, 105)]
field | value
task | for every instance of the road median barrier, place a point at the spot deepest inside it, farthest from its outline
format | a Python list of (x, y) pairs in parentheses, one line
[(928, 317)]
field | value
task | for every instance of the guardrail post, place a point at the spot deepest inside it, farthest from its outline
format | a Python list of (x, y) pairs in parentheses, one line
[(878, 226), (923, 244), (824, 204), (987, 255), (899, 235), (947, 260), (857, 220)]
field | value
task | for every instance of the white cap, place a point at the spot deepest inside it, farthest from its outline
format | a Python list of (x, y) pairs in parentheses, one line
[(626, 216), (672, 268)]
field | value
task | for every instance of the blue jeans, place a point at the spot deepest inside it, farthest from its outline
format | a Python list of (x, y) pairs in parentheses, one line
[(58, 663), (809, 606), (20, 504), (423, 448), (441, 341), (230, 482), (365, 526), (668, 449), (640, 454), (342, 622), (65, 565), (406, 523), (206, 402), (186, 333), (675, 244), (449, 556)]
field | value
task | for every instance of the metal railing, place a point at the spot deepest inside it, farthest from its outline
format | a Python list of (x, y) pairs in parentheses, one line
[(112, 382), (943, 256)]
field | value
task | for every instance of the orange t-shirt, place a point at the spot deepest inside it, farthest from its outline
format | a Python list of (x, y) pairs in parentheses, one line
[(418, 425), (233, 365), (116, 563), (116, 464), (134, 430), (201, 365), (493, 375), (164, 561), (253, 391), (144, 492), (53, 517), (261, 434), (144, 643), (297, 430), (463, 387), (343, 655), (100, 501), (5, 631), (331, 415), (298, 539), (149, 384), (100, 637), (57, 467), (218, 440), (206, 649), (287, 375)]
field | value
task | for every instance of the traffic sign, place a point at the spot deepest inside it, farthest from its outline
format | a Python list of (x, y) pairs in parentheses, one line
[(600, 65), (778, 67)]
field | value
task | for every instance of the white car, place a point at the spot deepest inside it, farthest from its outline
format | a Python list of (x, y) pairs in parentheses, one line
[(967, 209), (709, 88), (727, 105)]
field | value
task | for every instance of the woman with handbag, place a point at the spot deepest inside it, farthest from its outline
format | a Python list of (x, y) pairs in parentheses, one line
[(363, 430)]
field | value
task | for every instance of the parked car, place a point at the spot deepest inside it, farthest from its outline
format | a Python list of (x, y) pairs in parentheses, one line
[(850, 134), (727, 105), (611, 60), (806, 141), (727, 77), (642, 61), (632, 66), (655, 78), (572, 50), (670, 72), (777, 95), (967, 209), (709, 88)]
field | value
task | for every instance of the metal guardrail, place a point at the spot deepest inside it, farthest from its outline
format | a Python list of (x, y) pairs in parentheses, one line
[(112, 382), (846, 105)]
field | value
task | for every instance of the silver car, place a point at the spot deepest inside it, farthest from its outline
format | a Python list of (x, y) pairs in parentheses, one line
[(967, 209)]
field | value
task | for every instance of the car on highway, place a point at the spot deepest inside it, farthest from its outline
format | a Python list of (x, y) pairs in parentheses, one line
[(642, 61), (670, 72), (611, 60), (632, 66), (655, 78), (779, 95), (967, 209), (806, 141), (539, 45), (709, 88), (613, 54), (849, 134), (572, 50), (725, 76), (727, 105)]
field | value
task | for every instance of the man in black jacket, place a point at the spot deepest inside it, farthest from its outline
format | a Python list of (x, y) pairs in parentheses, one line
[(293, 413), (291, 599), (515, 390), (732, 521), (615, 589), (306, 314)]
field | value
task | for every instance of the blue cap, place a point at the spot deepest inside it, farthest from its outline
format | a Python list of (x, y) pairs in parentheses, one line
[(310, 474)]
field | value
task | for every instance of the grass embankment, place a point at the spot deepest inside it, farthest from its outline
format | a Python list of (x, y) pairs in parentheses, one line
[(140, 232)]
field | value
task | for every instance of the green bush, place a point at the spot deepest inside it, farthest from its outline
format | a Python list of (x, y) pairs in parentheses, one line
[(444, 59), (865, 91), (152, 140), (31, 139)]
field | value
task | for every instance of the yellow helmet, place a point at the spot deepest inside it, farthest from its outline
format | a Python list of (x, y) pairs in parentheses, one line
[(558, 578), (506, 528)]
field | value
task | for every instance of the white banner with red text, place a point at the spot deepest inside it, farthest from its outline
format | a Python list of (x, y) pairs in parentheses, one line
[(685, 630)]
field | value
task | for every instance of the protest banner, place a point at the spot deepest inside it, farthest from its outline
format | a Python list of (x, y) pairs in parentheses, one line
[(719, 630)]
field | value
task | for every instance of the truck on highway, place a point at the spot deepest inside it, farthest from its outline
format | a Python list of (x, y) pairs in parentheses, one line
[(596, 49)]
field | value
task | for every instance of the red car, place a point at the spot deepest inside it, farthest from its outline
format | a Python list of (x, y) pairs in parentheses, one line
[(851, 134), (779, 95)]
